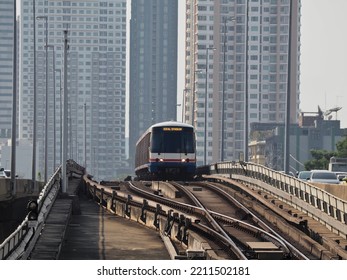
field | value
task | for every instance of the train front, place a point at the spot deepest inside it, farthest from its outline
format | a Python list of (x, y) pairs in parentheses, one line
[(172, 152)]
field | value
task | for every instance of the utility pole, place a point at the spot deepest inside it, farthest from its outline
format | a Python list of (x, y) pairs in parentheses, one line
[(60, 114), (246, 87), (85, 136), (206, 100), (287, 122), (33, 167), (46, 120), (46, 107), (65, 113), (54, 111), (14, 104), (223, 93)]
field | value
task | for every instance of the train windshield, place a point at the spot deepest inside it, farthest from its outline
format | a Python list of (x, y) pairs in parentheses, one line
[(173, 140)]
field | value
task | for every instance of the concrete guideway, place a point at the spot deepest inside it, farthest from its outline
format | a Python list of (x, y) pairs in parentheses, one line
[(97, 234), (324, 243), (87, 231)]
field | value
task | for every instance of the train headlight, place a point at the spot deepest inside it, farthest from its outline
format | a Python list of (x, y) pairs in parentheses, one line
[(185, 159), (159, 160)]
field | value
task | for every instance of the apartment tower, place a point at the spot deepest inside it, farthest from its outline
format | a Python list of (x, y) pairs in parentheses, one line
[(153, 66), (6, 67), (96, 77), (237, 55)]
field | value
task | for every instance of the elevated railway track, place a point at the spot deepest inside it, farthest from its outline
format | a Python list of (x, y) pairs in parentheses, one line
[(229, 214)]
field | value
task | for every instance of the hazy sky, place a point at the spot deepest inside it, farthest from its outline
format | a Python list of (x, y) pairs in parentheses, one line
[(323, 56)]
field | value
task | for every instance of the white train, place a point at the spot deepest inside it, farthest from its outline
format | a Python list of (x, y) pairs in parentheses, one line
[(166, 151)]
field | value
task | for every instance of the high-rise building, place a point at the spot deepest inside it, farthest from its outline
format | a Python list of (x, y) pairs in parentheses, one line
[(237, 55), (153, 66), (6, 67), (96, 77)]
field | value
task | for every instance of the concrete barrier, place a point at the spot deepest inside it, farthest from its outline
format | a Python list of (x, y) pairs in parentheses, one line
[(326, 203), (4, 188), (339, 191), (166, 189), (23, 188), (163, 224)]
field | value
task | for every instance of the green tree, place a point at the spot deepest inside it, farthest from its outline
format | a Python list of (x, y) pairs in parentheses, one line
[(320, 159), (261, 135), (342, 148)]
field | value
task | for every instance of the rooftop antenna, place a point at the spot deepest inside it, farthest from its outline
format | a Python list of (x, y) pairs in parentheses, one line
[(336, 109), (325, 100), (332, 110)]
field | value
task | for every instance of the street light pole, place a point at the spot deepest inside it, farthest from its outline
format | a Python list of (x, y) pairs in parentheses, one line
[(85, 136), (193, 97), (61, 113), (288, 107), (14, 103), (46, 107), (54, 119), (184, 102), (65, 113), (33, 167), (246, 88), (223, 94), (205, 124)]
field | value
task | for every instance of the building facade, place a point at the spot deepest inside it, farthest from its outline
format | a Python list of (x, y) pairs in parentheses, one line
[(153, 66), (96, 77), (313, 132), (237, 70), (6, 67)]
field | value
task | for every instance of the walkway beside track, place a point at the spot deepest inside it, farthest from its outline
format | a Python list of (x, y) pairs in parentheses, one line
[(49, 243), (97, 234), (79, 229)]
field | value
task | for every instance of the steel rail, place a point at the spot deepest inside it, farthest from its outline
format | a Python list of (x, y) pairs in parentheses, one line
[(287, 245), (211, 220), (247, 226), (201, 211)]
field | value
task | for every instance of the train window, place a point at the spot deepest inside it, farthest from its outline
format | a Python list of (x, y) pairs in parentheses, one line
[(172, 140)]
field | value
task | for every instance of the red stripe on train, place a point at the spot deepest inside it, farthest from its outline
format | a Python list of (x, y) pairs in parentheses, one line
[(169, 160)]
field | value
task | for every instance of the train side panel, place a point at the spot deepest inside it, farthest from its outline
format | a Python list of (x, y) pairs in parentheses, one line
[(142, 156)]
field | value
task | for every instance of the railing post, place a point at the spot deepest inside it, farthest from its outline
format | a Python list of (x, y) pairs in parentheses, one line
[(113, 201), (169, 222), (143, 216), (94, 193), (102, 199), (128, 207), (156, 214)]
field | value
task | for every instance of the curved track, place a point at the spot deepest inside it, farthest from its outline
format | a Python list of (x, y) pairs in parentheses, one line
[(239, 222), (240, 229)]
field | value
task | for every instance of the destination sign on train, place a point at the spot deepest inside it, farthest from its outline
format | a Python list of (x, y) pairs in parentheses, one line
[(172, 128)]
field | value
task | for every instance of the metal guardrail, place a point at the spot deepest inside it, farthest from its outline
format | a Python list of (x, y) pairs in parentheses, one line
[(20, 243), (315, 202), (21, 240)]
